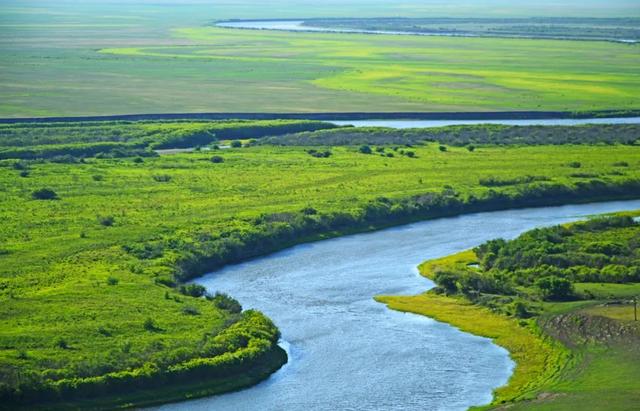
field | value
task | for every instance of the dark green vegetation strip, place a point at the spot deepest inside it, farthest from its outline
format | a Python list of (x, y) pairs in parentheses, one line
[(535, 27), (94, 253), (126, 139), (574, 283), (464, 135)]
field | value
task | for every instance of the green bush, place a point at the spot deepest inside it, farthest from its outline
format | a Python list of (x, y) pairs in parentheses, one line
[(225, 302), (555, 288), (44, 194)]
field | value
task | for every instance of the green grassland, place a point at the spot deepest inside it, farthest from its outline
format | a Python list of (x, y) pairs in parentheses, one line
[(148, 60), (580, 354), (82, 274)]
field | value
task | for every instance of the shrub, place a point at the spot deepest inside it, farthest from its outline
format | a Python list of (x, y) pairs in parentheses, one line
[(217, 159), (410, 154), (520, 310), (555, 288), (309, 211), (103, 331), (44, 194), (193, 290), (190, 310), (162, 178), (112, 281), (150, 325), (621, 164), (236, 144), (97, 177), (365, 149), (442, 148), (138, 160), (62, 343), (471, 148), (574, 164), (20, 165), (446, 281), (225, 302), (24, 173), (319, 154), (107, 220)]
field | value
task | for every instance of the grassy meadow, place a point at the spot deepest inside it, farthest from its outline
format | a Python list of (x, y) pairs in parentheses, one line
[(90, 279), (101, 59)]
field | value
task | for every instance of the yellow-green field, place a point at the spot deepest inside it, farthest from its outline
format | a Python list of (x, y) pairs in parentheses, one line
[(149, 61)]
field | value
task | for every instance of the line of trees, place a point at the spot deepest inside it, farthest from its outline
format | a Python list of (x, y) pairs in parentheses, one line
[(466, 135)]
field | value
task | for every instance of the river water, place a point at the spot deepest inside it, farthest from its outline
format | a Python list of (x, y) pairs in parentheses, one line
[(442, 123), (347, 352)]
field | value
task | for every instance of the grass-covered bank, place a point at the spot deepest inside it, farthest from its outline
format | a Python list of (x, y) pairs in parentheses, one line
[(568, 326), (538, 358), (262, 369)]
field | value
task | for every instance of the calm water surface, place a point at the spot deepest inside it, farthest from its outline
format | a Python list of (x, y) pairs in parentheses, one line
[(347, 352), (443, 123)]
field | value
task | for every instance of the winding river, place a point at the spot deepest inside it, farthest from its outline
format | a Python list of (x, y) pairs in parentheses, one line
[(347, 352)]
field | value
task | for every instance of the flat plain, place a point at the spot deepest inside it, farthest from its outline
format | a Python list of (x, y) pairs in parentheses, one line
[(96, 60)]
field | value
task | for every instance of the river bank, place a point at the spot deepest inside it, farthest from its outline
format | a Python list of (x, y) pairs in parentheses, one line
[(337, 332), (571, 353)]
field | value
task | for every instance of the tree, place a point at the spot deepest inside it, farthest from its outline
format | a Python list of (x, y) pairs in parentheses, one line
[(224, 302), (106, 220), (365, 149), (555, 288), (193, 290), (150, 325), (442, 148), (447, 281), (44, 194)]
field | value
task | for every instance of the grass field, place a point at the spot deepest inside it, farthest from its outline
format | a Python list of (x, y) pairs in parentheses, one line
[(100, 59), (82, 275)]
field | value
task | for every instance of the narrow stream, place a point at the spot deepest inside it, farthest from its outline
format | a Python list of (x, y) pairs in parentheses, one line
[(347, 352)]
